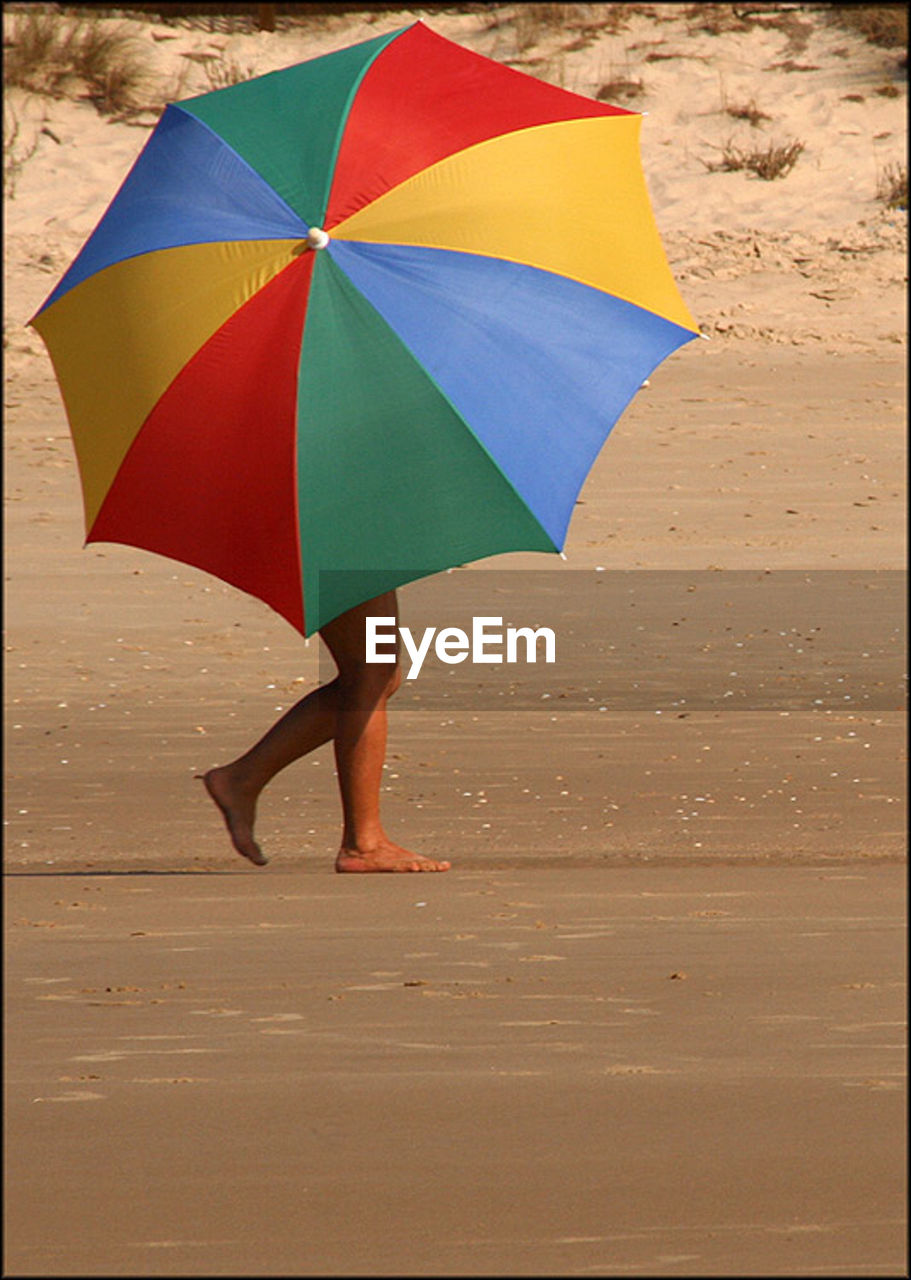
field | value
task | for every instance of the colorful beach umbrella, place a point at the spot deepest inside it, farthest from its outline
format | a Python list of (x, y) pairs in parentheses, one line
[(360, 320)]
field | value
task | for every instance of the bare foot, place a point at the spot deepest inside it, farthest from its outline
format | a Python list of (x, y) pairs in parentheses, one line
[(238, 811), (386, 857)]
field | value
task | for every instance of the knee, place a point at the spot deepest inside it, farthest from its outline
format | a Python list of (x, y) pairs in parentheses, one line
[(373, 681)]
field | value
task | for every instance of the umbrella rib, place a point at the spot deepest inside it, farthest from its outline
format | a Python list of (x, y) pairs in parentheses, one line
[(343, 118), (197, 120)]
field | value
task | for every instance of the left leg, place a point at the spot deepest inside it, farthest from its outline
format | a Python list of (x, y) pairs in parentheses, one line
[(235, 787)]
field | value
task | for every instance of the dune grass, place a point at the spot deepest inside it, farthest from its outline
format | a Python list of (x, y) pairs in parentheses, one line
[(16, 150), (533, 22), (222, 72), (75, 57), (885, 25), (746, 111), (892, 188), (774, 160), (620, 89)]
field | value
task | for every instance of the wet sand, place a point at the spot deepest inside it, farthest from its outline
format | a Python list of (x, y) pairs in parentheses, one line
[(697, 1071)]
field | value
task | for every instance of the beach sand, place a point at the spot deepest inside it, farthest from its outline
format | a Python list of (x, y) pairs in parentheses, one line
[(697, 1072), (652, 1022)]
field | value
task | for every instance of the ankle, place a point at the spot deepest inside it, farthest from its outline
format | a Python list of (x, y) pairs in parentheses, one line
[(239, 778), (365, 843)]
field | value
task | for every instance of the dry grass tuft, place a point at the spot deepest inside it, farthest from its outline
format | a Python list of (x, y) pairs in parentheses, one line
[(16, 152), (776, 160), (75, 57), (221, 73), (620, 89), (746, 111), (883, 24), (792, 26), (892, 188), (533, 22), (790, 65), (716, 19)]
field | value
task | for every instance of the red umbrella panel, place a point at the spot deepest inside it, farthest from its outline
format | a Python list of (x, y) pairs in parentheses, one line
[(360, 320)]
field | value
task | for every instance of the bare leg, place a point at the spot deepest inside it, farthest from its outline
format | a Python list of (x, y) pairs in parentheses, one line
[(352, 710), (235, 787), (360, 745)]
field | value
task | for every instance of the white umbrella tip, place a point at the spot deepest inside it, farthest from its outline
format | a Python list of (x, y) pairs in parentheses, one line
[(317, 238)]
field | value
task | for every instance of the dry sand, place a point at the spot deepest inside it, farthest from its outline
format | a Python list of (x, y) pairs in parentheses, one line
[(496, 1071)]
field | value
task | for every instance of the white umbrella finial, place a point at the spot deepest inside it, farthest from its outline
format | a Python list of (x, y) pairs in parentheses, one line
[(317, 238)]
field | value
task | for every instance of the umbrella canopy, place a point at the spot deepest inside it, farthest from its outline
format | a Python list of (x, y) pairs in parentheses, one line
[(360, 320)]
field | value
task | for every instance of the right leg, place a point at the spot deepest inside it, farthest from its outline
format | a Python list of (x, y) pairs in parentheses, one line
[(360, 745)]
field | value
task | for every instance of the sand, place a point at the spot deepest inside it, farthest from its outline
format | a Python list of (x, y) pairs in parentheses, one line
[(492, 1073), (496, 1071)]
